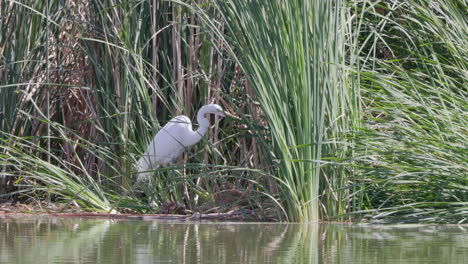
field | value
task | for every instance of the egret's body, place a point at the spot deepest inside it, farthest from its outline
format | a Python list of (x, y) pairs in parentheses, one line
[(171, 141)]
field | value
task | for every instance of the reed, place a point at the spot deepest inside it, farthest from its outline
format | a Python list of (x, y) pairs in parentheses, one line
[(292, 54), (412, 149), (118, 71), (348, 108)]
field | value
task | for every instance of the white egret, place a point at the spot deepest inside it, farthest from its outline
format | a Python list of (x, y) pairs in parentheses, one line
[(171, 141)]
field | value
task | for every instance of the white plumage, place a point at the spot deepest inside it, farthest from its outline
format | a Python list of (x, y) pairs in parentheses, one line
[(171, 141)]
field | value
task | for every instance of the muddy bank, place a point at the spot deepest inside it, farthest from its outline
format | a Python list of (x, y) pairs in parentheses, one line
[(18, 210)]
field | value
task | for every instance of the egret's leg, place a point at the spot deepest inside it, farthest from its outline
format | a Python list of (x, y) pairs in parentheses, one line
[(173, 174), (183, 186), (172, 169), (153, 191), (145, 182)]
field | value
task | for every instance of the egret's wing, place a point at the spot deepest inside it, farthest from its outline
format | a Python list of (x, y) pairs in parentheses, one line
[(167, 145)]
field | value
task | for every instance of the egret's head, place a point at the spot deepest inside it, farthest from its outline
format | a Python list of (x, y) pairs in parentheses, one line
[(212, 109)]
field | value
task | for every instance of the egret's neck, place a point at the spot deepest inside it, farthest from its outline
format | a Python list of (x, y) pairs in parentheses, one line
[(203, 123)]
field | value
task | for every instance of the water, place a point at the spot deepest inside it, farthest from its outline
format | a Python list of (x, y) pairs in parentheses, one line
[(65, 240)]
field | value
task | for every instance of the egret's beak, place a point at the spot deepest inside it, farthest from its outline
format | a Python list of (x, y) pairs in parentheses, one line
[(231, 115), (221, 113)]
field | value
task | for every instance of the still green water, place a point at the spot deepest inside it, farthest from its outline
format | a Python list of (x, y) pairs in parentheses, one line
[(59, 240)]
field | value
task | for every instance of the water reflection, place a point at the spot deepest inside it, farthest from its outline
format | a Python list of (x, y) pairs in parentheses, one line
[(394, 244), (55, 240)]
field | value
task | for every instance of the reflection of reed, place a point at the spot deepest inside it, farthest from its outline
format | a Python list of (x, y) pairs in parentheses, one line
[(301, 245), (345, 243), (232, 243), (255, 243), (55, 240), (276, 242), (72, 240), (51, 240)]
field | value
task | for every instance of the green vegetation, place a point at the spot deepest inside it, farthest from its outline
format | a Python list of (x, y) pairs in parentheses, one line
[(303, 93), (414, 144), (348, 109)]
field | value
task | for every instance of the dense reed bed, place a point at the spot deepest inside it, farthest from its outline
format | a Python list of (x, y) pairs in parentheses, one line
[(413, 145), (307, 97), (348, 109)]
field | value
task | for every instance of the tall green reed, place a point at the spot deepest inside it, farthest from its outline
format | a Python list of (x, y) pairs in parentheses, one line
[(118, 72), (293, 56), (301, 75), (412, 151), (22, 48)]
